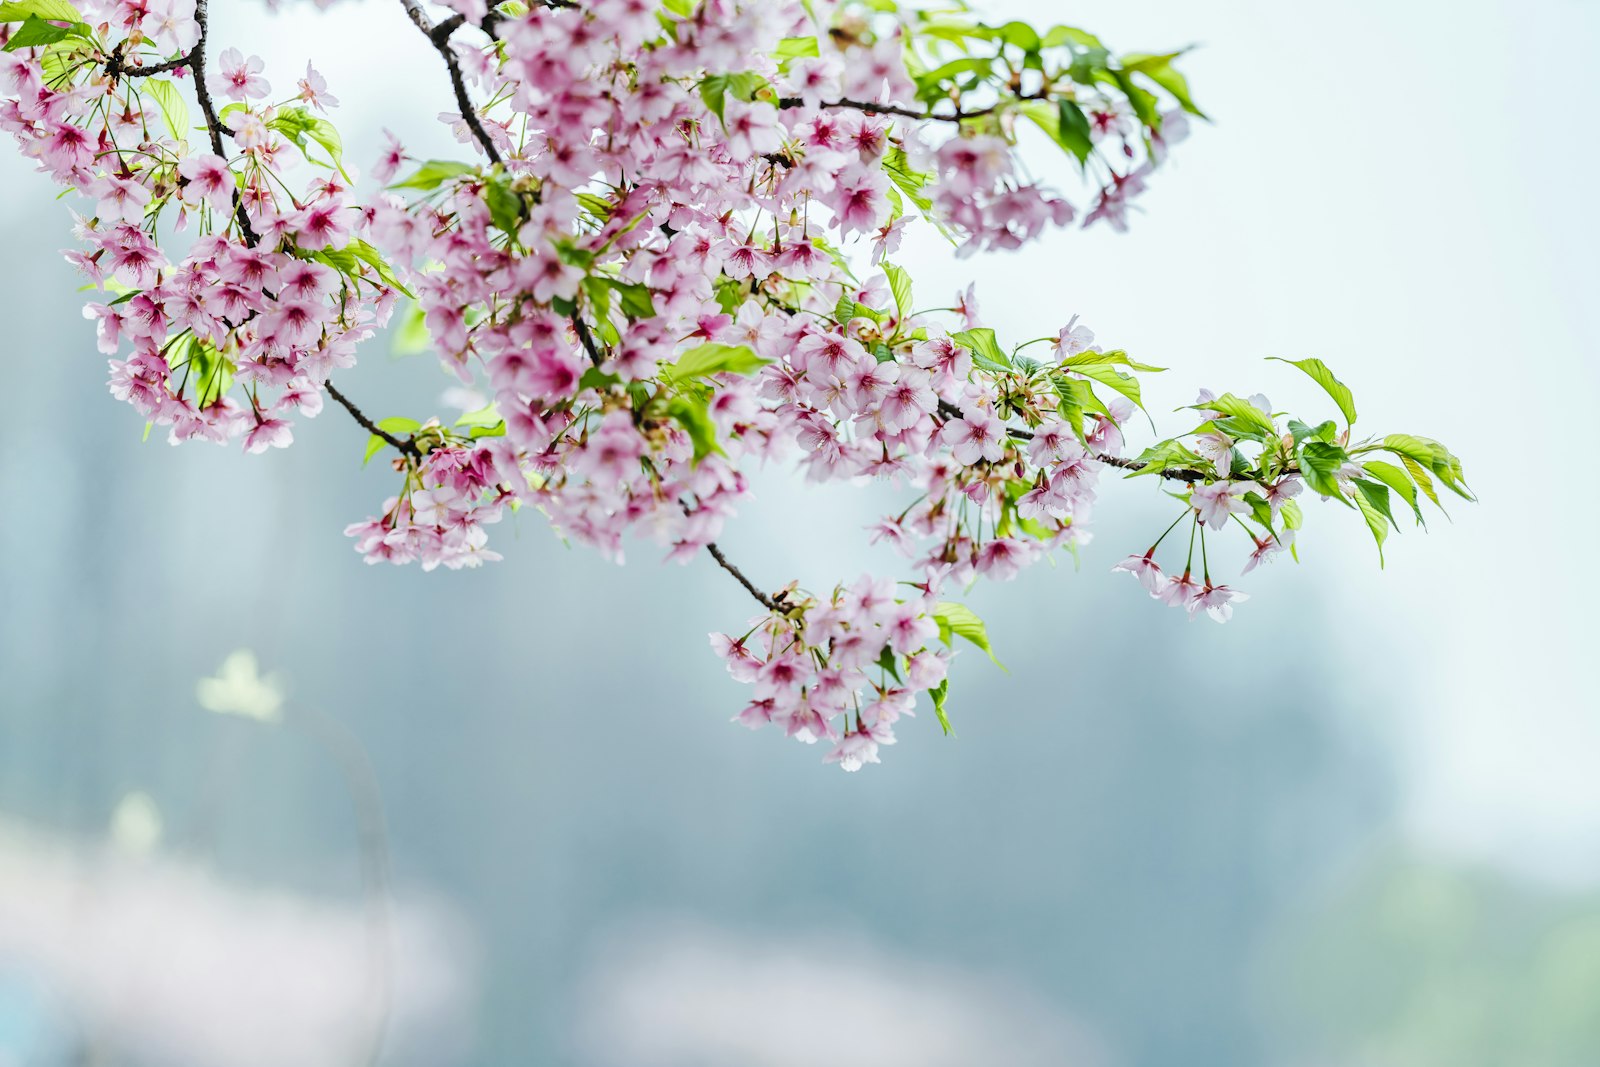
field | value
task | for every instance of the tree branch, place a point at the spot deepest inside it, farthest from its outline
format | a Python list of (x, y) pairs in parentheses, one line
[(406, 446), (872, 108), (441, 44), (587, 339), (196, 61), (770, 603), (950, 411)]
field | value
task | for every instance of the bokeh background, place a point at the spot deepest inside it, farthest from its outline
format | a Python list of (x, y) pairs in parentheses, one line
[(1359, 825)]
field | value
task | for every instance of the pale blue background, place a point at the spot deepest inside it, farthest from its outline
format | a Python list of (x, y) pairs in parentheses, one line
[(1358, 825)]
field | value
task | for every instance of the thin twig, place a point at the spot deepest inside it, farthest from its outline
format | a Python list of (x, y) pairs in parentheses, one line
[(441, 44), (587, 339), (406, 445), (197, 66), (770, 603), (872, 108)]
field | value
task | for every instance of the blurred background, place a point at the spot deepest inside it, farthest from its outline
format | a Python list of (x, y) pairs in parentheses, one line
[(501, 817)]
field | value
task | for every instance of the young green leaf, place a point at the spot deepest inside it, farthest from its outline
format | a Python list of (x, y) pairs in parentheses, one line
[(986, 351), (433, 174), (940, 693), (962, 621), (1319, 373), (174, 110), (705, 360)]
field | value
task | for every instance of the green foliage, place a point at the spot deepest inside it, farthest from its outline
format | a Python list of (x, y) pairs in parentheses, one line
[(299, 125), (689, 411), (716, 89), (396, 426), (174, 110), (702, 361), (986, 351), (433, 174), (1320, 374), (958, 620), (48, 10)]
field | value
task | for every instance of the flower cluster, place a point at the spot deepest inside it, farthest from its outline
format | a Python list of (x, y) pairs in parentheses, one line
[(670, 258), (842, 670)]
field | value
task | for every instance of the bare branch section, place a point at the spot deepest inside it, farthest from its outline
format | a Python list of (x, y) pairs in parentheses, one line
[(770, 603), (872, 108), (406, 446), (439, 37)]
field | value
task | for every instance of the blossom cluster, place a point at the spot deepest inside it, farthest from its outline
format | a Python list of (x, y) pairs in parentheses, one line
[(669, 258), (842, 670)]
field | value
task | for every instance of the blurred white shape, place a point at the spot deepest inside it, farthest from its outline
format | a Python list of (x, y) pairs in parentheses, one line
[(162, 963), (136, 823), (240, 689), (675, 993)]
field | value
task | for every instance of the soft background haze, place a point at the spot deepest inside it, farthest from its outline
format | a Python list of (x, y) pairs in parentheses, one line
[(1359, 825)]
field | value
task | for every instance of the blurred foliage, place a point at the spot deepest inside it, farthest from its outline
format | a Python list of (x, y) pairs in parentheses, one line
[(1418, 963)]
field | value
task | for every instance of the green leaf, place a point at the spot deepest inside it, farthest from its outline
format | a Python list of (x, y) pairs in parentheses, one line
[(1395, 479), (940, 693), (1159, 69), (35, 32), (1320, 374), (900, 285), (1373, 500), (1424, 481), (1320, 462), (1326, 431), (1244, 411), (174, 110), (744, 85), (298, 123), (485, 416), (1168, 455), (1064, 123), (711, 358), (1114, 358), (505, 206), (397, 425), (986, 351), (797, 47), (49, 10), (691, 414), (1431, 455), (1126, 384), (962, 621), (636, 298), (886, 662), (434, 173), (908, 181)]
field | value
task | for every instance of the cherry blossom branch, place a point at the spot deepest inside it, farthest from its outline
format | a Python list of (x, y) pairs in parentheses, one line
[(441, 44), (116, 65), (949, 410), (872, 108), (770, 603), (445, 28), (581, 328), (405, 445)]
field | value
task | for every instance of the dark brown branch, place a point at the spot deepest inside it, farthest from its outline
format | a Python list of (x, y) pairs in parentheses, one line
[(770, 603), (872, 108), (196, 61), (407, 446), (441, 44), (117, 66), (587, 340)]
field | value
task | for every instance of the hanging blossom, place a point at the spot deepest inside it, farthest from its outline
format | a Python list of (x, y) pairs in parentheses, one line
[(666, 257)]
